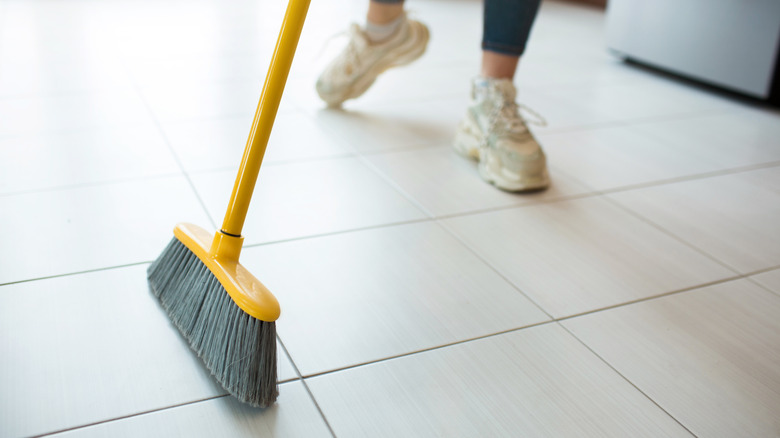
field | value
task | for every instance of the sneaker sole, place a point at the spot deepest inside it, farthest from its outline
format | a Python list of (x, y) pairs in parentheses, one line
[(398, 57), (467, 144), (537, 182)]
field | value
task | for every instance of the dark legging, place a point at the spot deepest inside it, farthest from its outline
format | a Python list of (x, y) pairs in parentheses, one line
[(506, 24)]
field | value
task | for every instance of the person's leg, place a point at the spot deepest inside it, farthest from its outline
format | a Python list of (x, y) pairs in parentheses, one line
[(505, 28), (388, 39), (493, 130)]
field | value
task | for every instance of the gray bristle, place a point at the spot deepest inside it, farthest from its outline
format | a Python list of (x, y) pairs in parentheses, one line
[(239, 350)]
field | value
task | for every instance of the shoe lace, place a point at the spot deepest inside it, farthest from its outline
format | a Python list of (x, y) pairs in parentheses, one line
[(507, 117), (349, 59)]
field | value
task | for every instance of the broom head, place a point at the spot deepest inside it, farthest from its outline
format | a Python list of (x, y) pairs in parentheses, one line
[(225, 313)]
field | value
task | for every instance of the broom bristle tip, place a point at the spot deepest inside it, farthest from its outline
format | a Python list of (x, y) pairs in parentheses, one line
[(238, 349)]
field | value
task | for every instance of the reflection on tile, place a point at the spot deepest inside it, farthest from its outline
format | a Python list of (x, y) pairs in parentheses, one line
[(535, 382), (294, 415), (72, 230), (708, 357), (445, 183), (85, 348), (83, 157), (732, 217), (219, 143), (393, 291), (304, 199), (580, 255)]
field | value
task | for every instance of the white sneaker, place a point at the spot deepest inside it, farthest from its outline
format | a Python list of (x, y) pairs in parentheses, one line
[(355, 69), (494, 133)]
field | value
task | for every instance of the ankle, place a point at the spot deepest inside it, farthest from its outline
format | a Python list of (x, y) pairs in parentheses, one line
[(498, 65), (383, 13), (378, 33)]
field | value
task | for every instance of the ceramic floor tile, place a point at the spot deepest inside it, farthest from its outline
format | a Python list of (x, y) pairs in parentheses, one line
[(180, 101), (432, 121), (708, 357), (768, 178), (770, 280), (20, 79), (72, 230), (285, 370), (731, 139), (46, 32), (85, 348), (731, 217), (580, 255), (626, 102), (536, 382), (542, 70), (305, 199), (204, 28), (376, 128), (358, 297), (416, 84), (34, 162), (71, 111), (219, 143), (619, 156), (445, 183), (557, 113), (150, 70), (294, 415)]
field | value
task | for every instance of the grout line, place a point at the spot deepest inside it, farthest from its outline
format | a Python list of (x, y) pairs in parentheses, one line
[(562, 198), (495, 270), (68, 274), (395, 186), (306, 386), (552, 320), (288, 162), (90, 184), (766, 288), (693, 177), (556, 321), (339, 232), (633, 122), (167, 141), (653, 297), (625, 378), (425, 350), (669, 233), (137, 414), (410, 147), (319, 409), (761, 271)]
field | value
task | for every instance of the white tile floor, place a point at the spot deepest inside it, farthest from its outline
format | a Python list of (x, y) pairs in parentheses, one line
[(638, 296)]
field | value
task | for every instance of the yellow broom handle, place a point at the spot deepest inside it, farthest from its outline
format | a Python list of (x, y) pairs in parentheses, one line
[(264, 117)]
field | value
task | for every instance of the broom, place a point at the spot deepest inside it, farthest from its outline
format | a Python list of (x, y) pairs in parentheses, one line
[(225, 313)]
